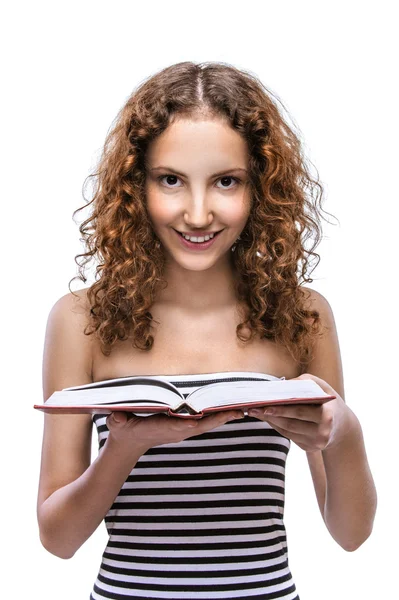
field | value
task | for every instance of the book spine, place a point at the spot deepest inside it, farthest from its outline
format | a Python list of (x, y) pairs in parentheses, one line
[(172, 413)]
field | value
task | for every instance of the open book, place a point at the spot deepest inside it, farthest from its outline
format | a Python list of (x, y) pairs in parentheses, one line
[(147, 395)]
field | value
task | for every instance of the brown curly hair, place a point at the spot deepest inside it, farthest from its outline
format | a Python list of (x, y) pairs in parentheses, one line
[(284, 212)]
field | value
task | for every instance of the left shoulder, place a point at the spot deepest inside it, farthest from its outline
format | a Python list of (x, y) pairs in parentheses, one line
[(318, 301), (326, 362)]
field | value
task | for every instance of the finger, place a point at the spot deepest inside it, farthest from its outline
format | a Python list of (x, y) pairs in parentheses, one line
[(282, 431), (120, 417), (218, 419), (294, 425), (303, 412), (301, 440), (201, 425), (116, 419)]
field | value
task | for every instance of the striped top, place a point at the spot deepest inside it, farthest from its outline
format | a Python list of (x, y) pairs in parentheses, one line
[(201, 518)]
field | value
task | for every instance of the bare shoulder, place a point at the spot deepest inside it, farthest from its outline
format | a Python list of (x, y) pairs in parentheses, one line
[(68, 350), (327, 365), (316, 301), (71, 304), (326, 362), (67, 361)]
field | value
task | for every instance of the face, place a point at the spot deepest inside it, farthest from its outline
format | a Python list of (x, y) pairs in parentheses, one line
[(196, 182)]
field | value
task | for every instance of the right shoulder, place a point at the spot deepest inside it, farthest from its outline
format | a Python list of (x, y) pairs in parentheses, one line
[(68, 351), (73, 306)]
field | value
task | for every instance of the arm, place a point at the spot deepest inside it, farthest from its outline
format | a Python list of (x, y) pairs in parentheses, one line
[(74, 495), (332, 438), (72, 512), (341, 474)]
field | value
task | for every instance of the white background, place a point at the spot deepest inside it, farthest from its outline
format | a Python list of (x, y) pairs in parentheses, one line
[(67, 70)]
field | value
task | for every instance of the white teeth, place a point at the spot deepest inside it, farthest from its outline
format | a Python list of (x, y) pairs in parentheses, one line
[(198, 239)]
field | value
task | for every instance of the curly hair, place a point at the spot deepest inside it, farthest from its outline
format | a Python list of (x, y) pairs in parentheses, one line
[(270, 259)]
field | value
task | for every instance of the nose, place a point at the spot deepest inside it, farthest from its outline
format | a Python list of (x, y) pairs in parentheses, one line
[(198, 212)]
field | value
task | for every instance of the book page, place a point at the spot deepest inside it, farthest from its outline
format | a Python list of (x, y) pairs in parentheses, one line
[(153, 380), (140, 395), (225, 393)]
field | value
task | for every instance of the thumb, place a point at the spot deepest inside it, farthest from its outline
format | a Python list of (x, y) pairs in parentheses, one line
[(118, 418)]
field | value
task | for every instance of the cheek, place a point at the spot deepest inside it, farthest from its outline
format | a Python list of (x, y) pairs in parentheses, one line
[(159, 210), (235, 213)]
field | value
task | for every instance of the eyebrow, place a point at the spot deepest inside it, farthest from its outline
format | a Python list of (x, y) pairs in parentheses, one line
[(161, 168)]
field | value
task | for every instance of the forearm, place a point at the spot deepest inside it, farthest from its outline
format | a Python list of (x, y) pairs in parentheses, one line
[(351, 498), (69, 516)]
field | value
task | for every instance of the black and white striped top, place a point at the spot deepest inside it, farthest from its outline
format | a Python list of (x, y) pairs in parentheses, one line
[(202, 518)]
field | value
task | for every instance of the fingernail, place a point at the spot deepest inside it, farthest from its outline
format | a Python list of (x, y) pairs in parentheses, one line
[(255, 412), (269, 411), (239, 416)]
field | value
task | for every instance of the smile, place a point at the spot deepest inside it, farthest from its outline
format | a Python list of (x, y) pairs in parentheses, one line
[(197, 245)]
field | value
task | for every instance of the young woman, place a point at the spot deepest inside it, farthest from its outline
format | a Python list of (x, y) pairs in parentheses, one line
[(194, 509)]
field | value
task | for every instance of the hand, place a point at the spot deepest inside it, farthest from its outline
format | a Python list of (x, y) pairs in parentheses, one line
[(143, 433), (312, 428)]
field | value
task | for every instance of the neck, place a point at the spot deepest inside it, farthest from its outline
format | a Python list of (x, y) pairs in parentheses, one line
[(198, 290)]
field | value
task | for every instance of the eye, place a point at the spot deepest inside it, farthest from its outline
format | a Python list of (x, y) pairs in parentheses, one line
[(229, 177), (174, 177), (169, 177)]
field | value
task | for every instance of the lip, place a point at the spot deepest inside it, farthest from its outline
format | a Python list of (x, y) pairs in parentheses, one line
[(198, 233), (198, 246)]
